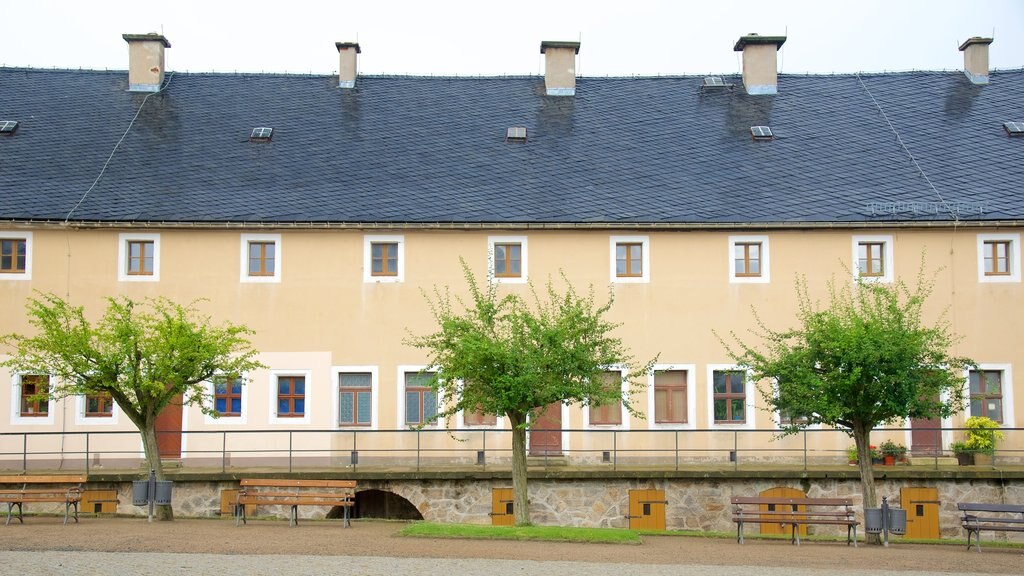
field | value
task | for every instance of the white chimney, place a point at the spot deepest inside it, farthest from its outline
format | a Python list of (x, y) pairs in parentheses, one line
[(560, 67), (976, 59), (760, 62), (347, 61), (145, 61)]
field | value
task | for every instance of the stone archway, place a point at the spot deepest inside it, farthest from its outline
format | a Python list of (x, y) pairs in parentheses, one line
[(380, 504)]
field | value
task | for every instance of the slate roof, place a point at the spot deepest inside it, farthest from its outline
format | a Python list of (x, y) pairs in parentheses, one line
[(623, 151)]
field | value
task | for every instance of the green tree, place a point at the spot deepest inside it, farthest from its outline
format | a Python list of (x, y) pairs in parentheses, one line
[(503, 354), (145, 355), (868, 359)]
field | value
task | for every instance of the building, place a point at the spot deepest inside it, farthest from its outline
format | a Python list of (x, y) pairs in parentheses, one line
[(316, 209)]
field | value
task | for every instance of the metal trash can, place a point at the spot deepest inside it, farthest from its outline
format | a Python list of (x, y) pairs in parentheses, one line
[(873, 520), (140, 492), (163, 492), (898, 521)]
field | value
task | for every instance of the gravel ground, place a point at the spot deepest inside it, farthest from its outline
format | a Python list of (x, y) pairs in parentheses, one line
[(42, 546)]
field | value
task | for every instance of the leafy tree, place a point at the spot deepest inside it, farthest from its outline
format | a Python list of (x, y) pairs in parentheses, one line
[(514, 356), (144, 355), (869, 359)]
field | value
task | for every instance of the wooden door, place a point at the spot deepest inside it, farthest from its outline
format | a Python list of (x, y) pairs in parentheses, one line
[(647, 509), (780, 528), (502, 512), (99, 501), (925, 436), (922, 506), (168, 429), (546, 432)]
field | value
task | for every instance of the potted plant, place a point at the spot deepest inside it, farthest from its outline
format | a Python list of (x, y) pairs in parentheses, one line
[(892, 452), (981, 438), (851, 455)]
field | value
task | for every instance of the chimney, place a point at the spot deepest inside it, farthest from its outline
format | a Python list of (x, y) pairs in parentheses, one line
[(976, 59), (560, 67), (347, 60), (145, 61), (760, 62)]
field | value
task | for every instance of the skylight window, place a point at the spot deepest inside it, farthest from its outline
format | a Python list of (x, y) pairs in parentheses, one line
[(516, 134), (1014, 128), (761, 133), (8, 126), (712, 81), (261, 133)]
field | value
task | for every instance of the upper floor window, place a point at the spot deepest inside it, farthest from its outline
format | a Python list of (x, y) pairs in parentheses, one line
[(384, 259), (670, 397), (999, 257), (15, 255), (139, 257), (630, 259), (729, 396), (261, 258), (355, 398), (420, 399), (291, 396), (33, 390), (507, 258), (872, 258), (748, 259), (227, 396), (986, 387), (99, 405)]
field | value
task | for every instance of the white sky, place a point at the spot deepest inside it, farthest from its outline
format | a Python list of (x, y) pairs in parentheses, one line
[(494, 37)]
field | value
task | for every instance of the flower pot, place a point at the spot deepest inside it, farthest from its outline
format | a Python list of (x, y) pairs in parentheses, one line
[(964, 458), (982, 459), (889, 460)]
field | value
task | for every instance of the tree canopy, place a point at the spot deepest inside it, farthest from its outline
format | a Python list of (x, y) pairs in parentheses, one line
[(145, 355), (508, 355), (868, 359)]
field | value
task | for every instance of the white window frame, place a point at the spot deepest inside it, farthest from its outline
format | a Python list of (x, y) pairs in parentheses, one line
[(749, 393), (243, 417), (16, 418), (887, 254), (1007, 369), (83, 420), (460, 423), (336, 371), (122, 257), (777, 415), (765, 276), (368, 242), (645, 260), (521, 240), (625, 416), (27, 237), (403, 369), (1014, 256), (691, 398), (247, 239), (274, 419)]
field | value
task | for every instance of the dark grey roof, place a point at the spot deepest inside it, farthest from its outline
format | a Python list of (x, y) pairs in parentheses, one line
[(422, 150)]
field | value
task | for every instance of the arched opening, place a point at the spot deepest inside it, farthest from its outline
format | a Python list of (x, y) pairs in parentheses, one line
[(379, 504)]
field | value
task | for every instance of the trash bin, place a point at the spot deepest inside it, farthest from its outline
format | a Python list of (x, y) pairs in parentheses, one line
[(140, 492), (163, 492), (898, 521), (873, 520)]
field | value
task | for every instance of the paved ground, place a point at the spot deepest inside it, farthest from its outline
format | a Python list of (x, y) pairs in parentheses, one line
[(42, 546)]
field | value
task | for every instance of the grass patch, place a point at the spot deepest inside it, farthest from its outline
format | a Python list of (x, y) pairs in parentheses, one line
[(545, 533)]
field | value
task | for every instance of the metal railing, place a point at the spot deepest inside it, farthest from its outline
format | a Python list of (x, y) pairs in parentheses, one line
[(439, 448)]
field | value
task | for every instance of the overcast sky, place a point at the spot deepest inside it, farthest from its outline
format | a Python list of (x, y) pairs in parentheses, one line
[(495, 37)]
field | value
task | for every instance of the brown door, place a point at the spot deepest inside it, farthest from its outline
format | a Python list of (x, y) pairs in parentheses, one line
[(781, 528), (647, 509), (168, 429), (925, 437), (922, 506), (546, 432), (502, 513)]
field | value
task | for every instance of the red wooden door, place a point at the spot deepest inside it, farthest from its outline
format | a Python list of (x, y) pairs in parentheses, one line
[(925, 436), (546, 432), (168, 429)]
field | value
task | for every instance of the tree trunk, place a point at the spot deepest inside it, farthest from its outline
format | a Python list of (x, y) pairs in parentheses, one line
[(862, 438), (520, 496), (154, 463)]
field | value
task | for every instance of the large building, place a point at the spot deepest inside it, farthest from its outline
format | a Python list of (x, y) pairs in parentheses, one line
[(317, 210)]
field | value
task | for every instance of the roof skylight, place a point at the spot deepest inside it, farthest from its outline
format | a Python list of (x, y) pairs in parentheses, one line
[(516, 134), (1014, 128), (261, 133), (8, 126), (711, 81), (761, 133)]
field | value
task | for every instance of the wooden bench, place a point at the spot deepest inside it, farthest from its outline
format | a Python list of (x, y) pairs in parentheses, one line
[(995, 517), (57, 488), (294, 493), (795, 512)]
